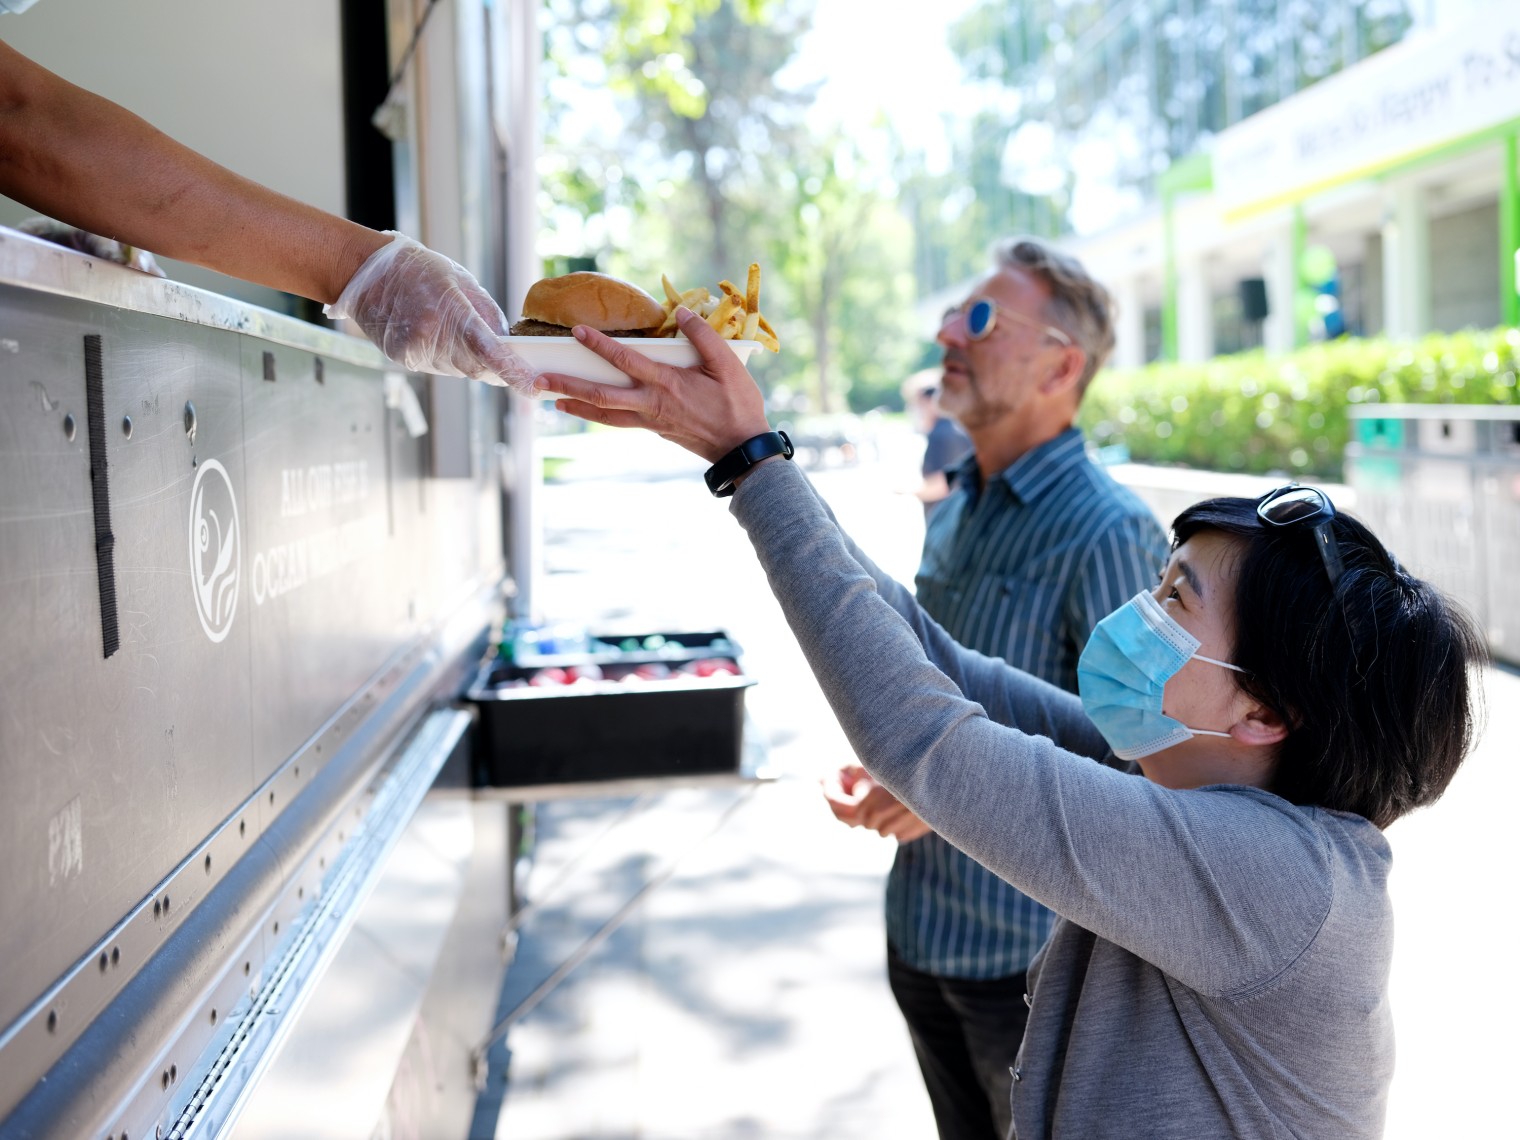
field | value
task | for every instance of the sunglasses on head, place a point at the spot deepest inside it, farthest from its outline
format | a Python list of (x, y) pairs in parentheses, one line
[(981, 315), (1305, 506)]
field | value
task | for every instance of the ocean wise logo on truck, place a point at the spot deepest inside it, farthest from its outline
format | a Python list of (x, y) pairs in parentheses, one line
[(214, 553)]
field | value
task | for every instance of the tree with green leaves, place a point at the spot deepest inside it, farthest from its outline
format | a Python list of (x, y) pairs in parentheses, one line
[(704, 109), (703, 162), (1143, 83)]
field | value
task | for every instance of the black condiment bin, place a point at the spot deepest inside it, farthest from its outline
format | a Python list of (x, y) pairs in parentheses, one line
[(597, 732)]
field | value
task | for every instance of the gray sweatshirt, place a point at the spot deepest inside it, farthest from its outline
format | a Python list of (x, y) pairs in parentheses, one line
[(1221, 963)]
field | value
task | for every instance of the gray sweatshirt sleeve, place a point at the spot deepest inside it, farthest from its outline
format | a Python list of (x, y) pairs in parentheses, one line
[(1217, 887), (1008, 696)]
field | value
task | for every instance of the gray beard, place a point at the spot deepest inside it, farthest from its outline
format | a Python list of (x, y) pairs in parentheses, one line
[(982, 411)]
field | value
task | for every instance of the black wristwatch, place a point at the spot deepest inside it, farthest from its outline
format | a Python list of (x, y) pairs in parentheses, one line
[(721, 475)]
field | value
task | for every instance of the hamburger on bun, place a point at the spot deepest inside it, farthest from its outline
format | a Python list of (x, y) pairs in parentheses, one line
[(556, 304)]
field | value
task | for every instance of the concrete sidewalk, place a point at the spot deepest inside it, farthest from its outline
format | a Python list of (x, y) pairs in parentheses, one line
[(748, 996)]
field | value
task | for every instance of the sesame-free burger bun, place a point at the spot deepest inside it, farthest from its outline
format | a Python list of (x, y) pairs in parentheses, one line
[(593, 299)]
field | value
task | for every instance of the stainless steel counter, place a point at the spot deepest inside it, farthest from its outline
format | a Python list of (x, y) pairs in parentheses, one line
[(40, 265)]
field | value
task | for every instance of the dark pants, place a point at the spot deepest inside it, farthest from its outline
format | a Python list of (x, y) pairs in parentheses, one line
[(966, 1035)]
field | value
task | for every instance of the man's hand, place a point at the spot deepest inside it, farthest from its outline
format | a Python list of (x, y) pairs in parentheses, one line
[(428, 314), (860, 801)]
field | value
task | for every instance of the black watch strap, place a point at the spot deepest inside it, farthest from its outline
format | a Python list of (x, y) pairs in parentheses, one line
[(721, 475)]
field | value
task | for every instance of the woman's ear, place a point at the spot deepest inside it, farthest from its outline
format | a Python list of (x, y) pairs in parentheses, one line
[(1259, 726)]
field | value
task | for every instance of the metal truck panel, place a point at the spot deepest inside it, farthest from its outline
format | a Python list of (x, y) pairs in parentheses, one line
[(232, 588)]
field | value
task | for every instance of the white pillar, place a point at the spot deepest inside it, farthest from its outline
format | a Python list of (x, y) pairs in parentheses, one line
[(1406, 262), (1281, 275), (518, 120), (1129, 324), (1195, 311)]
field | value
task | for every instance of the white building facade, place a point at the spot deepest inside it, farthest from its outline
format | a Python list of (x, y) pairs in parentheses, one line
[(1383, 200)]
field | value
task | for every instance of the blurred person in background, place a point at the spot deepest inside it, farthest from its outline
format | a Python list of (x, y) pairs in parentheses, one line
[(96, 167), (945, 444), (1206, 818), (1032, 547)]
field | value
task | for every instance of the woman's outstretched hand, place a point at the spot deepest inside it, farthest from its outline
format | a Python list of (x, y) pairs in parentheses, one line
[(709, 408)]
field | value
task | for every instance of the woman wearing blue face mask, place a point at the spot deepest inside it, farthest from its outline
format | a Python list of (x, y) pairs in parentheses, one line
[(1286, 692)]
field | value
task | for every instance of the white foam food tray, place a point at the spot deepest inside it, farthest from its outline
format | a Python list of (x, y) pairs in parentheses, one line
[(566, 354)]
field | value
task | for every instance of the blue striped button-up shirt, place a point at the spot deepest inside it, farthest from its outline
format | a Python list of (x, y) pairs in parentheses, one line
[(1021, 569)]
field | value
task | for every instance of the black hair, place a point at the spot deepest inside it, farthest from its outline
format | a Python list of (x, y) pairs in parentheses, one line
[(1374, 677)]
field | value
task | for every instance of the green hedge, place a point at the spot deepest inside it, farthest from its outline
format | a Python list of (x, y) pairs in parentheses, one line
[(1258, 413)]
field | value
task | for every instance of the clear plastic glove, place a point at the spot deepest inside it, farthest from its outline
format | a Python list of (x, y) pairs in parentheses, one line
[(428, 314)]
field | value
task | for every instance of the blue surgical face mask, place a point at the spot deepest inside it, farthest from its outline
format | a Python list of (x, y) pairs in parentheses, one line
[(1131, 655)]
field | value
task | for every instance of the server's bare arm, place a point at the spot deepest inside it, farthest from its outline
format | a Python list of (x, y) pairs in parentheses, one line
[(86, 161), (83, 160)]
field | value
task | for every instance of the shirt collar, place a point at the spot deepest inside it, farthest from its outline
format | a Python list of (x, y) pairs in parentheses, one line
[(1036, 471)]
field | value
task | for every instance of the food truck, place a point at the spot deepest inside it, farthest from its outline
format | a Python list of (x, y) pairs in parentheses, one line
[(256, 879)]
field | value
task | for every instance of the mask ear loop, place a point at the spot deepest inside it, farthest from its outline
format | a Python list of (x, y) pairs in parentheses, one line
[(1221, 664)]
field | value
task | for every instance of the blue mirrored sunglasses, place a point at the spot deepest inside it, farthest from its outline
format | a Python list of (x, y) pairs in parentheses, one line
[(981, 314)]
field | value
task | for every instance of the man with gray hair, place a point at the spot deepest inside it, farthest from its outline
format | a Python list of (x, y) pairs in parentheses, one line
[(1033, 547)]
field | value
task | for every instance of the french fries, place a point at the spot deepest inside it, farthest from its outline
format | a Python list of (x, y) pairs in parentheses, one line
[(733, 315), (693, 299)]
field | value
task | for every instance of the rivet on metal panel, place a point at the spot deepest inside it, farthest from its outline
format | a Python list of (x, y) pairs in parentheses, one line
[(277, 926), (174, 1072), (208, 864), (213, 1016), (247, 968), (70, 427), (126, 426), (166, 904), (105, 962), (115, 955), (189, 421), (158, 908), (271, 799), (164, 1079), (52, 1022), (242, 827), (298, 771)]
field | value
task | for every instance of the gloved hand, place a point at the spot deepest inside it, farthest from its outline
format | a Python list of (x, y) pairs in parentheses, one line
[(428, 314)]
